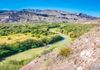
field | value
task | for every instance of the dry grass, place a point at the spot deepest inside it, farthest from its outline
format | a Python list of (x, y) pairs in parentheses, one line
[(15, 37), (65, 51)]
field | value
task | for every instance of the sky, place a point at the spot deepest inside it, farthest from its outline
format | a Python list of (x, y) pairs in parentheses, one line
[(90, 7)]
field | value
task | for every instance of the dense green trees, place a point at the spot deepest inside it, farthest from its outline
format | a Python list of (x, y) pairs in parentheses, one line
[(9, 49), (25, 28)]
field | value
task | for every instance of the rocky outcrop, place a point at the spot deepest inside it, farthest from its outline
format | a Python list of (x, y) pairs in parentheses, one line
[(86, 56), (35, 15), (87, 51)]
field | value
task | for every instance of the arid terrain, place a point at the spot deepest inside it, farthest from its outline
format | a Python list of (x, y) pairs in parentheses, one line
[(36, 15), (85, 55)]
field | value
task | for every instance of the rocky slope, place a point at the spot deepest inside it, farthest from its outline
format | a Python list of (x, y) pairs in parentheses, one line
[(85, 56), (35, 15)]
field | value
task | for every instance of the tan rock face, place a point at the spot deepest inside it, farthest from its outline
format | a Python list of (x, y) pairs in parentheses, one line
[(86, 56)]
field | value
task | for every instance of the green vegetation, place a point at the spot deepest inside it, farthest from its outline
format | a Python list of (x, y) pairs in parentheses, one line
[(26, 42), (35, 29), (9, 49), (18, 60), (76, 30)]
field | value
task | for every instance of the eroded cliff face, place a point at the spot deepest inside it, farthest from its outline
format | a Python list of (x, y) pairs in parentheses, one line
[(35, 15), (85, 56)]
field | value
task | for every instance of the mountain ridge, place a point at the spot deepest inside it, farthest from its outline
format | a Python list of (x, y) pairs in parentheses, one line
[(36, 15)]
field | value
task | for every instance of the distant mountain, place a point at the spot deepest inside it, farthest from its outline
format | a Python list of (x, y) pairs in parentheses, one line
[(36, 15)]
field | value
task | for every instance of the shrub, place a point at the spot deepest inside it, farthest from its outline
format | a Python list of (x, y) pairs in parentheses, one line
[(65, 51), (49, 50), (5, 50), (9, 38), (45, 40), (55, 39)]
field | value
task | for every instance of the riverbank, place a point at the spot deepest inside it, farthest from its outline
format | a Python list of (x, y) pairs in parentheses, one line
[(16, 61)]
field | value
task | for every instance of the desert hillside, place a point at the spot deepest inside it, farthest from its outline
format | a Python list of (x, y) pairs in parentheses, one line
[(85, 55), (36, 15)]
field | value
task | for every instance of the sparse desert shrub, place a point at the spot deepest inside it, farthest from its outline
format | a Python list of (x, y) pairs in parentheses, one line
[(15, 62), (9, 38), (46, 51), (49, 50), (65, 51)]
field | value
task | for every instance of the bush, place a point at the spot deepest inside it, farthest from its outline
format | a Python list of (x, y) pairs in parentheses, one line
[(9, 38), (52, 39), (4, 53), (45, 40), (6, 50), (65, 51), (55, 39)]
